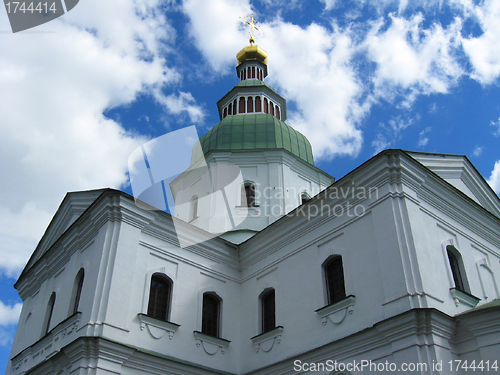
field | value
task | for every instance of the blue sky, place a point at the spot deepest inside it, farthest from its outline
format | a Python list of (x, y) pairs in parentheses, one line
[(80, 93)]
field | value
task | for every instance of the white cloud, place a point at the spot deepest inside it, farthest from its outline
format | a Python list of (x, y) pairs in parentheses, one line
[(496, 124), (315, 72), (183, 102), (56, 86), (494, 179), (218, 30), (9, 314), (409, 57), (478, 150), (380, 143), (422, 139), (484, 51), (329, 4)]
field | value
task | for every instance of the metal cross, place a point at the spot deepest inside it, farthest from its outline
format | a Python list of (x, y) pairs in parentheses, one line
[(252, 23)]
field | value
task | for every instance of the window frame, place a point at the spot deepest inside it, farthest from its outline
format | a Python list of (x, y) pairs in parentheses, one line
[(268, 310), (193, 208), (456, 266), (335, 292), (164, 313), (248, 200), (49, 314), (211, 325), (304, 197), (77, 293)]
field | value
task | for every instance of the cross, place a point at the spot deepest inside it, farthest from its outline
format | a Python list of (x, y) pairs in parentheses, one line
[(252, 24)]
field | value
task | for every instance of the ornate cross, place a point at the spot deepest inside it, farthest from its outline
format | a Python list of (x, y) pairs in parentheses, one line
[(252, 23)]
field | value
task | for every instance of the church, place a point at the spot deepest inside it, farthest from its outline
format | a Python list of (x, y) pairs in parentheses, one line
[(268, 265)]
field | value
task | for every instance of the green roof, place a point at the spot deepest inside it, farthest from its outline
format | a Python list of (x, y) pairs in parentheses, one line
[(251, 132), (253, 82)]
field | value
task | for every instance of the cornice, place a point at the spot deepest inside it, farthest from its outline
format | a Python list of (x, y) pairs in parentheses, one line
[(471, 216), (110, 206)]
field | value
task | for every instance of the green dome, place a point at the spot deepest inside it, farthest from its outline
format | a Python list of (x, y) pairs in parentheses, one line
[(252, 132)]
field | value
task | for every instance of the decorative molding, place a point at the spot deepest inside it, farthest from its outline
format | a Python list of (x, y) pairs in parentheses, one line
[(48, 346), (464, 297), (337, 311), (211, 344), (266, 341), (156, 327)]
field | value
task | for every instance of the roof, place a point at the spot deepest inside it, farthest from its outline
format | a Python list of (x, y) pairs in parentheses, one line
[(253, 82), (253, 132)]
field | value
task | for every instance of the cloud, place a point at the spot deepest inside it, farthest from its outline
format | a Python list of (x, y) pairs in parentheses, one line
[(412, 59), (217, 29), (329, 4), (496, 124), (183, 102), (422, 140), (484, 50), (380, 143), (9, 314), (56, 86), (494, 179), (478, 150), (315, 72)]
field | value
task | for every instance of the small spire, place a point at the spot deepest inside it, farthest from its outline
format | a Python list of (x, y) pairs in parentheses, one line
[(252, 23)]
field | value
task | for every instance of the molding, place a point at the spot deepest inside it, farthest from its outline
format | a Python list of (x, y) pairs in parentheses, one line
[(48, 346), (266, 340), (156, 327), (420, 294), (211, 344), (210, 271), (464, 297), (266, 271), (337, 311)]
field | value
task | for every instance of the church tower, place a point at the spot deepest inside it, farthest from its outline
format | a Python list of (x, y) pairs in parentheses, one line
[(263, 168)]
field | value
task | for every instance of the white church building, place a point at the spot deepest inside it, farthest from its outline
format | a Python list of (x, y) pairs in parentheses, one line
[(394, 267)]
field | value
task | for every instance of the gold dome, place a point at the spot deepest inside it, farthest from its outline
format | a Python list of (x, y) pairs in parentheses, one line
[(252, 53)]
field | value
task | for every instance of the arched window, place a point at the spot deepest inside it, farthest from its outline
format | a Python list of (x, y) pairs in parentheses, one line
[(334, 275), (225, 112), (193, 214), (230, 109), (268, 311), (304, 197), (77, 290), (48, 314), (241, 108), (266, 106), (250, 105), (456, 268), (159, 297), (234, 108), (278, 113), (253, 71), (248, 195), (211, 314), (258, 104), (271, 108), (260, 74)]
